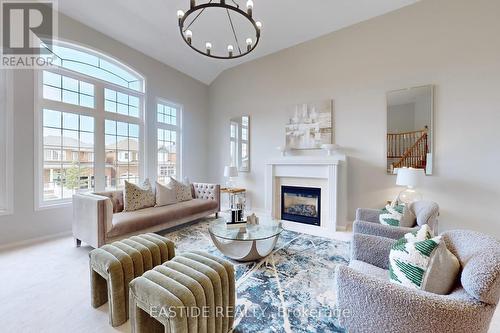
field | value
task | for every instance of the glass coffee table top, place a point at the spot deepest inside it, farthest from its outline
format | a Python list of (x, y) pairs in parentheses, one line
[(245, 232)]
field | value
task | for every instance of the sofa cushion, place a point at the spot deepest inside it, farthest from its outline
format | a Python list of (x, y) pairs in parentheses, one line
[(129, 222), (116, 198)]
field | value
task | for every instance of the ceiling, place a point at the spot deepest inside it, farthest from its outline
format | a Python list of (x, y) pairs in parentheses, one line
[(150, 26)]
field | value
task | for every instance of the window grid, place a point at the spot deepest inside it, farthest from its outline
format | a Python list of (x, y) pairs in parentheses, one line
[(65, 89), (122, 153), (82, 61), (167, 154), (118, 102), (68, 145), (71, 84), (166, 114)]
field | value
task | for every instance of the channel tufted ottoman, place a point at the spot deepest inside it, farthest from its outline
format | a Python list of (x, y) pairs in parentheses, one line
[(114, 265), (192, 293)]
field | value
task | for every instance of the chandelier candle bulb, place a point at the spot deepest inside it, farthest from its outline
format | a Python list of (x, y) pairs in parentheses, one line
[(180, 15), (249, 43), (230, 49), (208, 46), (249, 7), (189, 36), (259, 25)]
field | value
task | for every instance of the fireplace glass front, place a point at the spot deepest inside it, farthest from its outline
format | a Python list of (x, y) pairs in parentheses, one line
[(301, 204)]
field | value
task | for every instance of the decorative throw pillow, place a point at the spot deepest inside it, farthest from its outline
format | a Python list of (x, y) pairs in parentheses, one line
[(182, 191), (165, 195), (397, 216), (421, 234), (136, 197), (420, 262)]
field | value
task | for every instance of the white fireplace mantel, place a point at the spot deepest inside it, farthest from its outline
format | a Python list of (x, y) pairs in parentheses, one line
[(314, 170)]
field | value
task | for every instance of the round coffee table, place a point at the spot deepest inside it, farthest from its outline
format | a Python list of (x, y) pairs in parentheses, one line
[(245, 242)]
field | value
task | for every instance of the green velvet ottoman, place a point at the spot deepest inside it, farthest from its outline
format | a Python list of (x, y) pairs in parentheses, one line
[(192, 293), (114, 265)]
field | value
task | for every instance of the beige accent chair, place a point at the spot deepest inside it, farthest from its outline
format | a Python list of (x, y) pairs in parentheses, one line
[(99, 219)]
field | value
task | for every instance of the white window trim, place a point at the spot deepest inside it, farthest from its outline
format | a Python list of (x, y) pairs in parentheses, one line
[(99, 116), (6, 147), (179, 138)]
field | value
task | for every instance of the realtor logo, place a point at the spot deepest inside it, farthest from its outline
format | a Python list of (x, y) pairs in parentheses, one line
[(25, 25)]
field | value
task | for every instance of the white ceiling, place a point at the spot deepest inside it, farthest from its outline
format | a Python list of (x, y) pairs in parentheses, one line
[(150, 26)]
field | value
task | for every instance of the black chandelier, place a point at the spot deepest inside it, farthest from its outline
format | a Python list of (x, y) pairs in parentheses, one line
[(232, 51)]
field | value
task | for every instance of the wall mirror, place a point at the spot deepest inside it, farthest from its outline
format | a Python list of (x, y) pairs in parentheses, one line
[(410, 114), (240, 143)]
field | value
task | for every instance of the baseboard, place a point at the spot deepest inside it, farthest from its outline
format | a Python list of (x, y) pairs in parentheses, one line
[(32, 241)]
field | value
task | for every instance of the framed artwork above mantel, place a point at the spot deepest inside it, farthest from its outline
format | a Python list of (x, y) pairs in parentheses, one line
[(310, 125)]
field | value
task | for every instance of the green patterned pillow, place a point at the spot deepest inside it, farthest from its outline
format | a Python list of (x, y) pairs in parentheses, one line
[(391, 215), (420, 262), (397, 216)]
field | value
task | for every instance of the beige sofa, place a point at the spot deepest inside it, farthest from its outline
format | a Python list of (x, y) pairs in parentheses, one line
[(98, 218)]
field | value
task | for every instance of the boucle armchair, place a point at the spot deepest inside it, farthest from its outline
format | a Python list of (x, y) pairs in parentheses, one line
[(369, 302), (367, 220)]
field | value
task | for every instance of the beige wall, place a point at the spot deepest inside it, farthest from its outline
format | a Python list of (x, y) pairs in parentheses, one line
[(450, 43), (161, 81)]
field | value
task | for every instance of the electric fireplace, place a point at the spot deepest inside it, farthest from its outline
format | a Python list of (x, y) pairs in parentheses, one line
[(301, 204)]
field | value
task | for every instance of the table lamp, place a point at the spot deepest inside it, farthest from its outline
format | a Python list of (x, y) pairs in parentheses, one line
[(230, 172), (408, 177)]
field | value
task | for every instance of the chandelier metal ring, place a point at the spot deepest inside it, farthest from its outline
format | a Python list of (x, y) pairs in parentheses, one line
[(221, 5)]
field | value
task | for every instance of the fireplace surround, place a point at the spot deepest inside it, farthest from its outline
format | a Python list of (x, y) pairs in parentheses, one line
[(306, 171)]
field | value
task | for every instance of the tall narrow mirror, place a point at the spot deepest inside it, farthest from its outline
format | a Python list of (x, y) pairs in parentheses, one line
[(240, 143), (410, 114)]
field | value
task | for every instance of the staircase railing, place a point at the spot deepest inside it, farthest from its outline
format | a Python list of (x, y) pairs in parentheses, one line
[(416, 155), (399, 143)]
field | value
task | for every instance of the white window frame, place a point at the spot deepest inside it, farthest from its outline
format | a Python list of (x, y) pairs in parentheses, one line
[(6, 143), (99, 116), (177, 128), (234, 140)]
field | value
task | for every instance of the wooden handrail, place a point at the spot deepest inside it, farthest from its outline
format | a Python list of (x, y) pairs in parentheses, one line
[(411, 132)]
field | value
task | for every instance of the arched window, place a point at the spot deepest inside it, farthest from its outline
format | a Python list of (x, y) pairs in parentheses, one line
[(90, 124)]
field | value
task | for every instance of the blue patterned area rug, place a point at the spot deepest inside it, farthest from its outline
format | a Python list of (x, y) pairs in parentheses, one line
[(291, 290)]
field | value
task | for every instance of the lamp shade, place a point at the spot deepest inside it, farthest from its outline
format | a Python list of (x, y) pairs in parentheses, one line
[(230, 171), (408, 177)]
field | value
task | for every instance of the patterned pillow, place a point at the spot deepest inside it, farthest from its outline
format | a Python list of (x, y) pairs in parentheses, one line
[(136, 197), (419, 261), (391, 215), (397, 216), (182, 191)]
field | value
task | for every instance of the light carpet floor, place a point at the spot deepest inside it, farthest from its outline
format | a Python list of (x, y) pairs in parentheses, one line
[(45, 288)]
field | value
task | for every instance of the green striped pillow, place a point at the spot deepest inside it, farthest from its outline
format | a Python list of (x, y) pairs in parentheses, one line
[(420, 261), (391, 215)]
